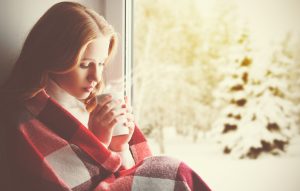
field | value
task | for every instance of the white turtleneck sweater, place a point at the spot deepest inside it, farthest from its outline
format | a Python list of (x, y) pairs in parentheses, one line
[(78, 110), (70, 103)]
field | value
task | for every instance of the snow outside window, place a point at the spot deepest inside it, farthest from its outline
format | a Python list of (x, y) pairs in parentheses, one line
[(216, 84)]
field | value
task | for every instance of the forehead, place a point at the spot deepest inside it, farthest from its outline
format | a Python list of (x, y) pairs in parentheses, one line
[(97, 49)]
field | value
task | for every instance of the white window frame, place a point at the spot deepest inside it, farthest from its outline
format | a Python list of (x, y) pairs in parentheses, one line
[(119, 14), (128, 48)]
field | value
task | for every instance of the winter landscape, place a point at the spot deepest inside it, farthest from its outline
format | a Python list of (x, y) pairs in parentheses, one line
[(225, 173), (217, 85)]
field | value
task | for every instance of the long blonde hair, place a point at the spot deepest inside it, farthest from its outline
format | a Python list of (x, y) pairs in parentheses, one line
[(55, 44)]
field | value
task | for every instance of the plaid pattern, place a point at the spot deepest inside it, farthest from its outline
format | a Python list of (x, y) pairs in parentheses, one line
[(57, 152), (159, 173)]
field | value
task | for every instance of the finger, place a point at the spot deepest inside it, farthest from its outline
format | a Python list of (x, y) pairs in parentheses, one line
[(115, 105), (120, 111), (130, 117), (100, 115), (129, 108), (104, 99), (109, 117), (112, 123), (130, 126), (128, 123), (107, 108), (106, 120)]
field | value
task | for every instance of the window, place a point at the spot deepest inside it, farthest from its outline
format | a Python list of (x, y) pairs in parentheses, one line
[(219, 80)]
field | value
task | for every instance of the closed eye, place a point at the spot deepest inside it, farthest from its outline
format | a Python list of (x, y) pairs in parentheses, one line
[(84, 65)]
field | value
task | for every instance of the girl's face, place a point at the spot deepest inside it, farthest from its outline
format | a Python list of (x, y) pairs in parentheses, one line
[(80, 81)]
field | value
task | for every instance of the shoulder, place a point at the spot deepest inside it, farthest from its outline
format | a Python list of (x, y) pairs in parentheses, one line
[(14, 113)]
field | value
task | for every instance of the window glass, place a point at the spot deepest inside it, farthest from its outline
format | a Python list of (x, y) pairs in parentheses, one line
[(217, 80)]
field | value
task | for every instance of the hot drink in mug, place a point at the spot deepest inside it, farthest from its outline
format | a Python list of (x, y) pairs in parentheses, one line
[(117, 97)]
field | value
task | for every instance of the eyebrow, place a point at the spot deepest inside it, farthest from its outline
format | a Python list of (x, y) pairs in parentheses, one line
[(90, 59)]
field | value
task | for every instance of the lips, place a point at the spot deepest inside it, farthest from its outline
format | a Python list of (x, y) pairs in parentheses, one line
[(89, 88)]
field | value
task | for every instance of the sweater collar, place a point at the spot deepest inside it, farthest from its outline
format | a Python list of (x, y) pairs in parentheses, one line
[(62, 96)]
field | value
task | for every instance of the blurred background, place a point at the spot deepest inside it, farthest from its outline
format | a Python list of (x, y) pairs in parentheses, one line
[(217, 85)]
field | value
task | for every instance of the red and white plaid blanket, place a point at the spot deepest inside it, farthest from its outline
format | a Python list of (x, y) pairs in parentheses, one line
[(53, 151)]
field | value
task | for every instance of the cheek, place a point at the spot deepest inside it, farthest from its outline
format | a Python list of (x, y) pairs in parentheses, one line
[(71, 80), (77, 77)]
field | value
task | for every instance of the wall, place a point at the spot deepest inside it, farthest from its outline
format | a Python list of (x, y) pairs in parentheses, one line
[(17, 18)]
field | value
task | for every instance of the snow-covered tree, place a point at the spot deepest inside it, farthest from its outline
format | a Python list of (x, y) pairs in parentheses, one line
[(231, 96), (256, 114)]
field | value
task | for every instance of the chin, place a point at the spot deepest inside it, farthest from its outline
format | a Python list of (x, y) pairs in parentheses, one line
[(83, 96)]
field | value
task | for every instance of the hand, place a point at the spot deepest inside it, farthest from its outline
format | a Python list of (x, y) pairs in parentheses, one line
[(120, 142), (103, 119)]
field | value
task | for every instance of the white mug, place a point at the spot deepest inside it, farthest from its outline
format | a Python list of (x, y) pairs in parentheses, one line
[(119, 128)]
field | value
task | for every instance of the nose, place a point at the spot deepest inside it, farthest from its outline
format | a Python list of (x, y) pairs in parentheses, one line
[(95, 73)]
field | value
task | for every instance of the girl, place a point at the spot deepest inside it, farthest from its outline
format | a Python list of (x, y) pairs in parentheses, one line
[(58, 137)]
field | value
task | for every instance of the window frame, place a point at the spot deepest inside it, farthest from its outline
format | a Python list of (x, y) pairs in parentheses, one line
[(128, 48), (119, 14)]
